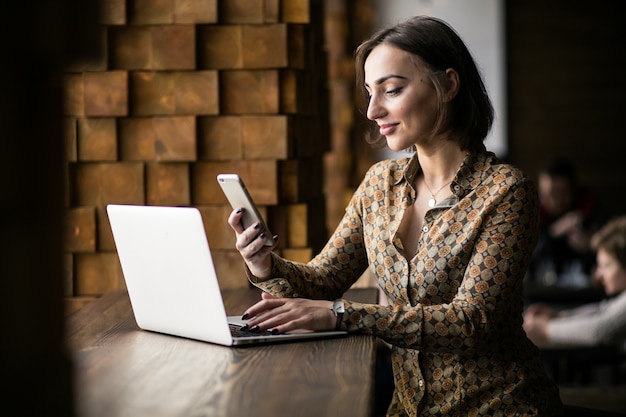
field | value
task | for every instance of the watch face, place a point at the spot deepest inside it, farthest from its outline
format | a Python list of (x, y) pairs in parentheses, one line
[(338, 306)]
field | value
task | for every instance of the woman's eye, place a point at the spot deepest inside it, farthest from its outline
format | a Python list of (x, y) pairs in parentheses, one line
[(394, 92)]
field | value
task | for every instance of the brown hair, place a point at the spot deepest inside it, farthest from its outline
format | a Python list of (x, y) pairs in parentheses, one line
[(612, 239), (469, 116)]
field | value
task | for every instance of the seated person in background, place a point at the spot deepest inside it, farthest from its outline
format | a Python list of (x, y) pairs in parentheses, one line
[(569, 215), (595, 324)]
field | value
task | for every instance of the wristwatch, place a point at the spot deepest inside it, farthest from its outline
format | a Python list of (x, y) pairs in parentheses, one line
[(338, 309)]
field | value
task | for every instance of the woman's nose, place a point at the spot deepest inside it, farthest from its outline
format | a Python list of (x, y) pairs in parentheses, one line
[(374, 109)]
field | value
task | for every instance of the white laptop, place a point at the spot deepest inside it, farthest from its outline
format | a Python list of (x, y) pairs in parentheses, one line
[(171, 279)]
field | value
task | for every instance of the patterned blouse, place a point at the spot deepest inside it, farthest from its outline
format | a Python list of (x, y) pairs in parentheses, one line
[(454, 318)]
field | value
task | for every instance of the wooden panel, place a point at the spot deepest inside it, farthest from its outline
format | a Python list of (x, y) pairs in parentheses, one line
[(150, 12), (97, 184), (70, 138), (220, 47), (218, 232), (303, 255), (195, 11), (265, 137), (260, 177), (97, 139), (80, 229), (248, 11), (244, 92), (158, 138), (295, 11), (174, 47), (265, 46), (174, 93), (74, 97), (73, 304), (220, 138), (230, 268), (106, 93), (167, 184), (175, 138), (97, 273), (113, 12), (300, 180), (130, 47)]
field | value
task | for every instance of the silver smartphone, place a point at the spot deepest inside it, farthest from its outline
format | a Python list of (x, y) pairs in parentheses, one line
[(238, 196)]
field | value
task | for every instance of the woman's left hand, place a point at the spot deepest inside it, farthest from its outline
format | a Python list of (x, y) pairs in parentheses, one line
[(283, 315)]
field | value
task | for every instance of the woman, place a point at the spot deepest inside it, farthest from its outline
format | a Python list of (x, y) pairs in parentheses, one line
[(594, 324), (448, 234)]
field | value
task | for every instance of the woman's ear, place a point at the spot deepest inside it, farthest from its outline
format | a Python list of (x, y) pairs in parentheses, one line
[(453, 83)]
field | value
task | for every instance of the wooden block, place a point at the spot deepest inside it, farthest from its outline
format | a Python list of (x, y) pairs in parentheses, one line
[(242, 11), (265, 137), (130, 47), (302, 255), (113, 12), (260, 177), (137, 139), (297, 93), (220, 46), (264, 46), (150, 12), (175, 138), (106, 93), (218, 232), (231, 272), (97, 273), (98, 184), (68, 275), (175, 93), (158, 138), (195, 11), (297, 222), (174, 47), (245, 92), (70, 139), (296, 11), (220, 138), (80, 229), (167, 184), (301, 180), (251, 46), (97, 139), (74, 95)]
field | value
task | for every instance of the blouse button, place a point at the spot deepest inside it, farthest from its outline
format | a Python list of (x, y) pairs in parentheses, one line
[(425, 229), (421, 383), (457, 187)]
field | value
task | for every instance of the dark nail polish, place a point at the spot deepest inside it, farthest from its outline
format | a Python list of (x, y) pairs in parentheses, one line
[(258, 225), (262, 235), (239, 210), (275, 237), (245, 316), (244, 328), (255, 328), (274, 331)]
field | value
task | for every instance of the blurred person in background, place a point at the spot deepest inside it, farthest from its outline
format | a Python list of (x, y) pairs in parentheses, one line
[(569, 214), (595, 324)]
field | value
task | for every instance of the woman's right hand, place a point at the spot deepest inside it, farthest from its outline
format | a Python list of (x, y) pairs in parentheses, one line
[(250, 243)]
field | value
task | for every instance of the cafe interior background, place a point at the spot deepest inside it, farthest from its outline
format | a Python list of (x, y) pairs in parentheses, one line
[(144, 102)]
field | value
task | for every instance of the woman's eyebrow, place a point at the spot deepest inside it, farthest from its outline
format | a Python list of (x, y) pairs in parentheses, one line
[(385, 78)]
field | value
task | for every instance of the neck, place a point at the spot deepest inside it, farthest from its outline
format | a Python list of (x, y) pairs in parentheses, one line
[(441, 164)]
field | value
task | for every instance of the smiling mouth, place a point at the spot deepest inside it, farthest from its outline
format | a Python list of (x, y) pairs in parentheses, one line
[(387, 129)]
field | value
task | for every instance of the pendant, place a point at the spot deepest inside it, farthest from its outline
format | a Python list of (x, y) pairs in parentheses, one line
[(431, 202)]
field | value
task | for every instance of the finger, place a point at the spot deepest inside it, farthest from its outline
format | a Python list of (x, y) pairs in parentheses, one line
[(234, 220), (267, 296)]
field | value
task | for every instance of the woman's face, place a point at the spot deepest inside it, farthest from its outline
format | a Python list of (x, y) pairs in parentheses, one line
[(610, 273), (403, 100)]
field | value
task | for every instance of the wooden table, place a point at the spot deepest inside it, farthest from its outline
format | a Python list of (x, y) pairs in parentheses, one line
[(122, 371)]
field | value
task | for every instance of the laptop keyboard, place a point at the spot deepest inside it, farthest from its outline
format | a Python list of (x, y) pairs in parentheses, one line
[(236, 331)]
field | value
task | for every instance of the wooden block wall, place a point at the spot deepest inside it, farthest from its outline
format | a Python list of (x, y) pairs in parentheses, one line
[(184, 90)]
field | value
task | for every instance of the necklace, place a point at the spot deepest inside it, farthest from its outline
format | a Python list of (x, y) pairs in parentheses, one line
[(432, 201)]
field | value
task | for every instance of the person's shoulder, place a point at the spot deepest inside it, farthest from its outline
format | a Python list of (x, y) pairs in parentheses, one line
[(491, 165), (389, 167)]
